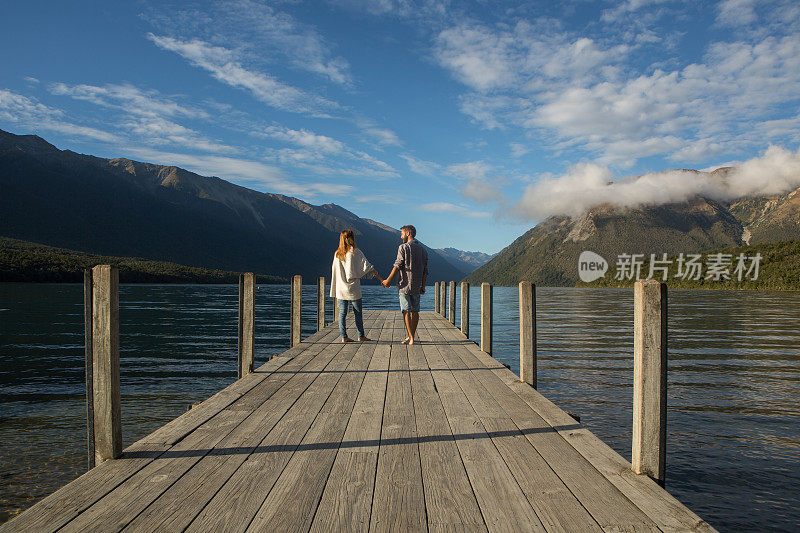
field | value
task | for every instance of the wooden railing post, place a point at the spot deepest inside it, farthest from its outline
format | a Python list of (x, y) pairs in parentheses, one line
[(443, 298), (87, 343), (452, 309), (465, 308), (437, 306), (527, 333), (105, 363), (320, 303), (486, 317), (297, 304), (247, 312), (650, 379), (335, 310)]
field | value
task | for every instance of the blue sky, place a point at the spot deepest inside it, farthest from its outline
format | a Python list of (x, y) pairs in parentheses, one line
[(450, 116)]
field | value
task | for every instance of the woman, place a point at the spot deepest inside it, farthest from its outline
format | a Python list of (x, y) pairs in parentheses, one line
[(349, 266)]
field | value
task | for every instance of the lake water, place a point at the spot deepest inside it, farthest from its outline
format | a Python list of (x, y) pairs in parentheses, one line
[(733, 445)]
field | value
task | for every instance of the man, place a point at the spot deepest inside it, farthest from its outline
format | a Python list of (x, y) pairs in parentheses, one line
[(412, 265)]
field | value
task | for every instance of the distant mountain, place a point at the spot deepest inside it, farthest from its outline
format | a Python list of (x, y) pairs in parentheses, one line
[(548, 253), (121, 207), (464, 261)]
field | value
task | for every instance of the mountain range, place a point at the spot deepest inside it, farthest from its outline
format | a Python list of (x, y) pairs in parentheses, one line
[(120, 207), (465, 261), (548, 253)]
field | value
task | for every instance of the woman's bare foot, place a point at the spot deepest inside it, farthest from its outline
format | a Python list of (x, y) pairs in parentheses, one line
[(347, 339), (364, 339), (406, 340), (411, 341)]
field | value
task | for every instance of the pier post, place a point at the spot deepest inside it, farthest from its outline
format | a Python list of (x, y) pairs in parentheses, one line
[(246, 323), (443, 298), (486, 317), (335, 310), (452, 309), (649, 379), (437, 306), (87, 343), (465, 308), (105, 363), (320, 303), (527, 333), (297, 305)]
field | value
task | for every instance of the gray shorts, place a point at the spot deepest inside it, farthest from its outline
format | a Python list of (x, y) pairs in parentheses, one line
[(409, 302)]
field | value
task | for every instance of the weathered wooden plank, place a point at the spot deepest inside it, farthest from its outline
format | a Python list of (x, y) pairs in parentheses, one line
[(120, 506), (654, 501), (449, 500), (649, 447), (292, 502), (451, 312), (105, 361), (552, 500), (398, 502), (527, 333), (320, 303), (233, 507), (181, 502), (347, 499), (247, 288), (296, 310), (89, 364), (486, 317), (502, 502), (437, 296), (465, 308), (55, 510)]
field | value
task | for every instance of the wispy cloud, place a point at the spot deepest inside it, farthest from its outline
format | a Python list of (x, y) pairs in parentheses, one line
[(255, 28), (30, 113), (460, 210), (146, 114), (224, 65)]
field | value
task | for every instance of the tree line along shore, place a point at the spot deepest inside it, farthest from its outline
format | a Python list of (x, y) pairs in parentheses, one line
[(21, 261)]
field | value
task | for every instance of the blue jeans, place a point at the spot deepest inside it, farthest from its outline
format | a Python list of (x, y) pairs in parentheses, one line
[(343, 305)]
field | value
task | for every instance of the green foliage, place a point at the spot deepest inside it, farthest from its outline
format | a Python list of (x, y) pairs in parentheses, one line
[(779, 270), (31, 262)]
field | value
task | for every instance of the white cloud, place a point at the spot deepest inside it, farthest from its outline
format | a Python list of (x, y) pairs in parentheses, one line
[(255, 28), (145, 114), (587, 185), (29, 113), (445, 207), (306, 139), (589, 94), (225, 67), (420, 166), (127, 97), (736, 12), (384, 136), (31, 79)]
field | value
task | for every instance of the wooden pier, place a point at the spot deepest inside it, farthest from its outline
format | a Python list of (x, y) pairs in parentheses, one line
[(368, 436)]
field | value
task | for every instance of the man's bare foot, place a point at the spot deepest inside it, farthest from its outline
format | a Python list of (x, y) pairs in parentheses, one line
[(347, 339), (364, 339), (406, 340)]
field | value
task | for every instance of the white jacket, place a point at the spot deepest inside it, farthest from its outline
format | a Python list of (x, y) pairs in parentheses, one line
[(346, 275)]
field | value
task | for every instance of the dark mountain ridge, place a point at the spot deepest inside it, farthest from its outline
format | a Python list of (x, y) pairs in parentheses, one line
[(127, 208)]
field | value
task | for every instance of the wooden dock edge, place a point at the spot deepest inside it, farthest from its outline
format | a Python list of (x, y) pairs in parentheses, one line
[(656, 502)]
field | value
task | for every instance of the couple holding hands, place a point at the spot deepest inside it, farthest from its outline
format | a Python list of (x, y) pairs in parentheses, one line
[(350, 265)]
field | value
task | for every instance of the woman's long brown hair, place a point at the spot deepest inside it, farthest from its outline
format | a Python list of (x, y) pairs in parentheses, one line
[(347, 242)]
